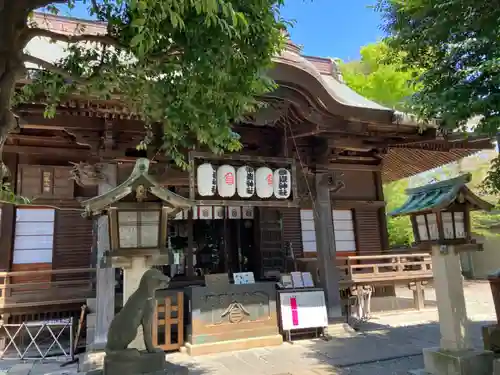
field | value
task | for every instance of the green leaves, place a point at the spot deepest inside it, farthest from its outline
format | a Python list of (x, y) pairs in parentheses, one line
[(491, 183), (399, 228), (457, 44), (380, 76), (7, 196), (188, 67)]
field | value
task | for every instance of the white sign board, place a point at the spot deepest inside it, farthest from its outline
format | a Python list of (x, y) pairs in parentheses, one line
[(243, 278), (303, 309)]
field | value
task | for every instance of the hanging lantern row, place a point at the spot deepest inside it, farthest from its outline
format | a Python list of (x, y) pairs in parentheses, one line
[(217, 212), (244, 181)]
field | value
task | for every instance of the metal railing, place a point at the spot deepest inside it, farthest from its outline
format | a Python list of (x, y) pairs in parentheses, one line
[(38, 340)]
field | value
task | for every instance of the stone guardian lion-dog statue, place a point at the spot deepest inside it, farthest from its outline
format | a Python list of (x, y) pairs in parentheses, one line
[(137, 311)]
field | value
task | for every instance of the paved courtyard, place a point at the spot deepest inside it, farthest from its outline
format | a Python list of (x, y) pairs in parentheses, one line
[(390, 344)]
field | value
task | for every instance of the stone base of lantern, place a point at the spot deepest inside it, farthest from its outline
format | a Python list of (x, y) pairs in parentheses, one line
[(465, 362), (491, 337)]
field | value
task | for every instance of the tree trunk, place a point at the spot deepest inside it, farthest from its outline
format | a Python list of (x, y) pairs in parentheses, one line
[(13, 24)]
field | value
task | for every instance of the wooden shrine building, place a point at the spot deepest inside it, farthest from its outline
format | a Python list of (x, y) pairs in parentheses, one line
[(315, 127)]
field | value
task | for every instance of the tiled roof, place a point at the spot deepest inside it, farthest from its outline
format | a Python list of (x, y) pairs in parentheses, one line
[(439, 196)]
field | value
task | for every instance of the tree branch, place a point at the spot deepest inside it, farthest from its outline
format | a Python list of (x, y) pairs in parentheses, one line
[(51, 68), (43, 3), (33, 32)]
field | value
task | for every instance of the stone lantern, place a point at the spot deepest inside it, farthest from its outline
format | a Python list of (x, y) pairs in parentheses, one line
[(440, 216), (440, 213), (137, 212)]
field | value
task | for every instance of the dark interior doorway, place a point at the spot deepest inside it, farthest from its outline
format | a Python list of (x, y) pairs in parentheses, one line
[(241, 250), (220, 246)]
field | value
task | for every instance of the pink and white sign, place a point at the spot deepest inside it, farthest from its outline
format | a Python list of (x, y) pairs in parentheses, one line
[(303, 309)]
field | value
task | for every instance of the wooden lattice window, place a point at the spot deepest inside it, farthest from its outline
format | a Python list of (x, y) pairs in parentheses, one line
[(168, 322)]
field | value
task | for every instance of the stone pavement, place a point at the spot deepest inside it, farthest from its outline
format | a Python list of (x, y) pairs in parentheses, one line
[(390, 344)]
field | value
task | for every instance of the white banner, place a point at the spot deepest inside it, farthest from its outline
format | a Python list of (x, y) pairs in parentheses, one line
[(303, 309)]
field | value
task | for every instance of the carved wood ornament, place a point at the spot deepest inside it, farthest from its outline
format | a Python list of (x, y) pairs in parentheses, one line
[(333, 181), (86, 174)]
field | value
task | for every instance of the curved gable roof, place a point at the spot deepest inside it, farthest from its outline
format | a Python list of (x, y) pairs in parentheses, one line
[(319, 76)]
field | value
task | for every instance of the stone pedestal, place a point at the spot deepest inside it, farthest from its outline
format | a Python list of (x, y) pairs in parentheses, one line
[(448, 283), (132, 361), (91, 361), (131, 278), (496, 366), (455, 356), (491, 338), (464, 362)]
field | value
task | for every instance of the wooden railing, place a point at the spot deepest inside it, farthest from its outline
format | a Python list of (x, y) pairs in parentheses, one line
[(25, 289), (22, 289), (390, 267), (378, 269)]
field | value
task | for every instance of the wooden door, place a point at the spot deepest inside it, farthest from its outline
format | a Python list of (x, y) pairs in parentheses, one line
[(271, 241), (168, 322)]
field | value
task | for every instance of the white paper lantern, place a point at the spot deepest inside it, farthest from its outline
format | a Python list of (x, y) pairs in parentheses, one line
[(245, 181), (206, 179), (226, 181), (282, 184), (264, 182)]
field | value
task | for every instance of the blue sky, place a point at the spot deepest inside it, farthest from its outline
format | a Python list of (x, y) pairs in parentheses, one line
[(333, 28), (326, 28)]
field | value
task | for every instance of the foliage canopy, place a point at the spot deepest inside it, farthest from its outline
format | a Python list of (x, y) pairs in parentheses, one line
[(188, 67), (381, 76), (378, 79), (456, 44)]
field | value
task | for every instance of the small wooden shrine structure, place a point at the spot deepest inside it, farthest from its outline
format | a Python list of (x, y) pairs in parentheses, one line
[(440, 212)]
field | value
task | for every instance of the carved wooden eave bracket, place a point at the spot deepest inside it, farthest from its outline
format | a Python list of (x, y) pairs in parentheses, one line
[(85, 174), (333, 180), (140, 183)]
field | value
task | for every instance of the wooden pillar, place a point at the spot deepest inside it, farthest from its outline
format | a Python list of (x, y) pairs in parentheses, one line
[(8, 217), (189, 254), (418, 296), (105, 277), (325, 242), (384, 235)]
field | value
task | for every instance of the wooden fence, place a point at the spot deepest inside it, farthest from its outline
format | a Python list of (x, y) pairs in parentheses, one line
[(372, 269), (31, 289), (49, 289)]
